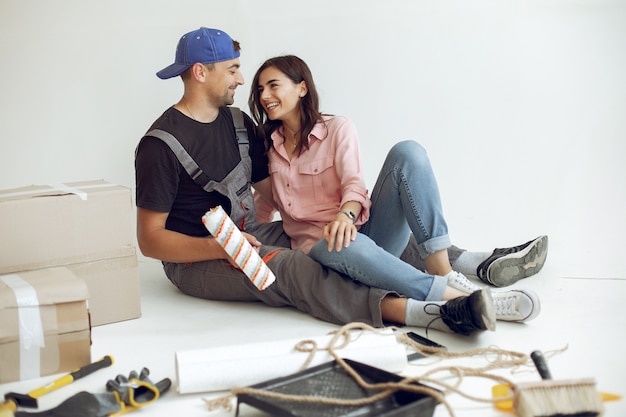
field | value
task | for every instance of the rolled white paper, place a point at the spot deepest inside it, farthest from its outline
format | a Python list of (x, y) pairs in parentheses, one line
[(237, 246), (225, 368)]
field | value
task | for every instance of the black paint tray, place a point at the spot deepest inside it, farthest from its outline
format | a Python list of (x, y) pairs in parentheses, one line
[(330, 380)]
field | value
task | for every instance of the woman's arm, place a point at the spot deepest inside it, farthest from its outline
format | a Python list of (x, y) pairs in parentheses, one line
[(354, 204), (341, 231)]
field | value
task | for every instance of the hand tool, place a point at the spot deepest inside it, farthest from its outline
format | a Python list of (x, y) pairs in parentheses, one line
[(29, 400)]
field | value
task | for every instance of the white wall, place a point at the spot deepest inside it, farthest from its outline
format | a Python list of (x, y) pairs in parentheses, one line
[(521, 103)]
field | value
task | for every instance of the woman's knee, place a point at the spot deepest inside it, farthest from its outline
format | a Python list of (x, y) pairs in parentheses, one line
[(409, 150)]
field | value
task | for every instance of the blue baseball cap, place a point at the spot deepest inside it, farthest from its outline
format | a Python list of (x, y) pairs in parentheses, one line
[(204, 45)]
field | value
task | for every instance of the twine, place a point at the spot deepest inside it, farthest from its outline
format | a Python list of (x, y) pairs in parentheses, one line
[(342, 337)]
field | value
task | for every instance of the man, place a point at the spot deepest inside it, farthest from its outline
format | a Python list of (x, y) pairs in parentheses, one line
[(198, 132)]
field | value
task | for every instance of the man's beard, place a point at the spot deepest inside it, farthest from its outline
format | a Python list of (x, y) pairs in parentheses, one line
[(229, 99)]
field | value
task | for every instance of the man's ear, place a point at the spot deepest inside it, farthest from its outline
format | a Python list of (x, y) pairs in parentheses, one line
[(198, 71)]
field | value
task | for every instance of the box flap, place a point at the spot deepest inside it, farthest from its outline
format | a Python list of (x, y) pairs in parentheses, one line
[(114, 292), (44, 225), (81, 189), (51, 286), (39, 303)]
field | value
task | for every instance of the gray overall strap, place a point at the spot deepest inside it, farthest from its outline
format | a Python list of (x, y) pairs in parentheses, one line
[(235, 186), (190, 165), (184, 158), (240, 128)]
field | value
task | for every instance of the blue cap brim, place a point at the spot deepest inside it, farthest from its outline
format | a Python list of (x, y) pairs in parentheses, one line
[(172, 71)]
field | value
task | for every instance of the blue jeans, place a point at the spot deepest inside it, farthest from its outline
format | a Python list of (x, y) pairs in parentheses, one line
[(405, 199)]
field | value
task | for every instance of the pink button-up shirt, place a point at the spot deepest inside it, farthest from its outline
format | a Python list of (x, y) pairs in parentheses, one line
[(310, 189)]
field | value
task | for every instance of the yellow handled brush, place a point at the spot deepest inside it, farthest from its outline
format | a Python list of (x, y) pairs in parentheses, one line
[(14, 400), (551, 397), (504, 396)]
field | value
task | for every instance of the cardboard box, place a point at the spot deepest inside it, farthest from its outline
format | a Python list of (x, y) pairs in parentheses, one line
[(86, 226), (113, 288), (44, 324)]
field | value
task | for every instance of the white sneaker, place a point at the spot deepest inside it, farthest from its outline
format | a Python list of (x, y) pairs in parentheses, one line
[(461, 283), (516, 305)]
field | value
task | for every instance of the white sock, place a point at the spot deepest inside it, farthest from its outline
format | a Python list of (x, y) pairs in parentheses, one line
[(425, 314), (468, 262)]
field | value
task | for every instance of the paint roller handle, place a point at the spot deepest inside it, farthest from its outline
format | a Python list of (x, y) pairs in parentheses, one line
[(541, 364), (73, 376)]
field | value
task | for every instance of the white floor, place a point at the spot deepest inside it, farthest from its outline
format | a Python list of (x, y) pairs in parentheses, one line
[(585, 316)]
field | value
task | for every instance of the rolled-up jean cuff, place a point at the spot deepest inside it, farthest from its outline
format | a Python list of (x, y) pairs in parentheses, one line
[(433, 245), (437, 289)]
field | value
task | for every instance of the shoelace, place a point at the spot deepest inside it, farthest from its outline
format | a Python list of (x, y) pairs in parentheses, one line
[(438, 314), (506, 305), (454, 318), (513, 249), (457, 316), (463, 282)]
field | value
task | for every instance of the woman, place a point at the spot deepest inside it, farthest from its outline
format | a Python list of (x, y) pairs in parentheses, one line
[(318, 188)]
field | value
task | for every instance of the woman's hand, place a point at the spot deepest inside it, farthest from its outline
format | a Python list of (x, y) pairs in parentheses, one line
[(339, 233)]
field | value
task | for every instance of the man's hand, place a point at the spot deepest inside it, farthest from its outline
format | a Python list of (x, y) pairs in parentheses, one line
[(256, 244), (253, 240)]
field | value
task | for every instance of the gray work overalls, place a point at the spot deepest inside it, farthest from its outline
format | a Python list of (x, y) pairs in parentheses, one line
[(235, 186)]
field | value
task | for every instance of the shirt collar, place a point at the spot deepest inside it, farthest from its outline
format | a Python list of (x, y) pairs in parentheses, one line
[(318, 132)]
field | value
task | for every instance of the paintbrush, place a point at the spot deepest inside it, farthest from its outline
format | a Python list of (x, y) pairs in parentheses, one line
[(550, 397)]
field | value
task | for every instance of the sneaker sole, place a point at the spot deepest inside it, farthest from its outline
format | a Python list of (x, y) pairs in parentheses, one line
[(534, 298), (510, 268), (487, 309)]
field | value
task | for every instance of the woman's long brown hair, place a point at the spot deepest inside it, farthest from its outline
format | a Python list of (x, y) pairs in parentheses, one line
[(297, 71)]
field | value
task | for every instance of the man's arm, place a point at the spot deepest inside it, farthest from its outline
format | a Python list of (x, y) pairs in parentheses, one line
[(264, 188), (155, 241)]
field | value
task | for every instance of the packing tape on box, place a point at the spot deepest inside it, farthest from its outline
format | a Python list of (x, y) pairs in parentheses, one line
[(65, 189), (70, 190), (30, 326), (237, 246), (225, 368)]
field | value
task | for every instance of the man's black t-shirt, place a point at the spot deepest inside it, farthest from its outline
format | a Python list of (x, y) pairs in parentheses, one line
[(163, 185)]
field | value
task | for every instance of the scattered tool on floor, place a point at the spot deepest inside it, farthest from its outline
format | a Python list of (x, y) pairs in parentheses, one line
[(125, 394), (553, 397), (505, 394), (29, 400)]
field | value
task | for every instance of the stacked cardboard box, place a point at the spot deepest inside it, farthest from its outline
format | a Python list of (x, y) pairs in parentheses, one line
[(87, 227), (44, 324)]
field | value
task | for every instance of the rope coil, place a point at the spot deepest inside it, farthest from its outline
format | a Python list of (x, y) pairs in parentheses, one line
[(504, 359)]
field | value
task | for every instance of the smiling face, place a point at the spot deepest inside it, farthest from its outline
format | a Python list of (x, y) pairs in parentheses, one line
[(223, 79), (280, 96)]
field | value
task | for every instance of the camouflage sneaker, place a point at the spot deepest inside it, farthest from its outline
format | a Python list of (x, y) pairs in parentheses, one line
[(506, 266)]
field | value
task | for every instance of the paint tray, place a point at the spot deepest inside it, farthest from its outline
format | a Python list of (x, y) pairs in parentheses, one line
[(330, 380)]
